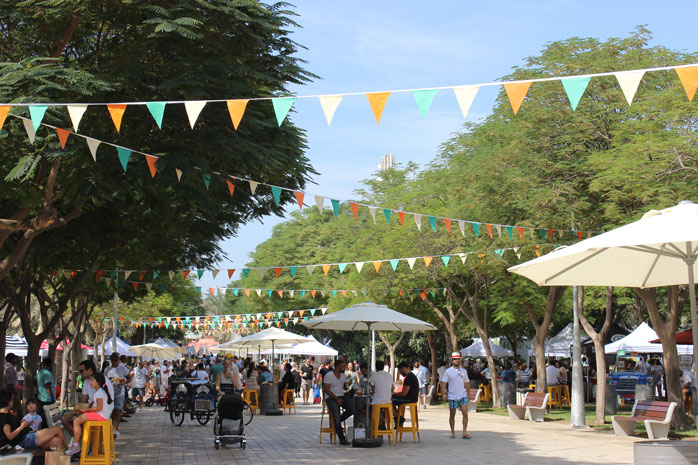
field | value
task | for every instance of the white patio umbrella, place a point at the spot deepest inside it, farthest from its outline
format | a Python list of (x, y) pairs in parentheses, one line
[(157, 351)]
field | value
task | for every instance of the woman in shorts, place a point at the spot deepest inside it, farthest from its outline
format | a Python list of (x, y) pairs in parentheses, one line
[(100, 410), (18, 432)]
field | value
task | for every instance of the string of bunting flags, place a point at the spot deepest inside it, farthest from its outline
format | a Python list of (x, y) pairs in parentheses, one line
[(478, 227), (574, 87)]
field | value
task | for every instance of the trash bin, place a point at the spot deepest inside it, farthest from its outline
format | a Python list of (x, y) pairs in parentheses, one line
[(644, 392), (611, 404), (267, 398), (360, 419), (507, 393)]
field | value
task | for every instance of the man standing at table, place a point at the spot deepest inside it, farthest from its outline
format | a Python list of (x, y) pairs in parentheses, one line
[(455, 385), (333, 387)]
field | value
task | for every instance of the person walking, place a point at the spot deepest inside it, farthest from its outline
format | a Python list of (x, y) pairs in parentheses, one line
[(307, 375), (455, 385)]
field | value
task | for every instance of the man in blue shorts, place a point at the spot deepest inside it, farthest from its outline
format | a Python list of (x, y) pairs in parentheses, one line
[(455, 385)]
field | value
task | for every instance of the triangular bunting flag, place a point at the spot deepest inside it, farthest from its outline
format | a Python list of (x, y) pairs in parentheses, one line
[(193, 109), (354, 209), (231, 186), (207, 180), (447, 223), (262, 272), (124, 155), (282, 107), (629, 82), (313, 293), (401, 216), (92, 144), (372, 211), (326, 269), (387, 214), (335, 206), (245, 272), (359, 266), (424, 99), (465, 96), (4, 110), (230, 273), (574, 88), (151, 160), (259, 292), (277, 271), (488, 227), (418, 221), (212, 290), (157, 110), (446, 259), (171, 274), (516, 91), (377, 101), (461, 226), (427, 261), (31, 133), (36, 112), (62, 136), (253, 186), (247, 292), (310, 269), (329, 104), (292, 270), (377, 265), (276, 193), (117, 113), (299, 198), (185, 273), (236, 108), (688, 77), (432, 222), (320, 202), (394, 263), (179, 174), (75, 112), (342, 267), (411, 261)]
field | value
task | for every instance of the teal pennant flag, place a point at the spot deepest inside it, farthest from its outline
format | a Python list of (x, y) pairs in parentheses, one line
[(394, 263), (342, 267), (334, 294), (36, 112), (276, 192), (245, 272), (446, 259), (282, 107), (200, 273), (157, 110), (207, 180), (476, 228), (424, 99), (574, 88), (510, 230), (387, 214), (335, 207), (236, 292), (302, 294), (269, 291), (432, 222), (124, 155), (293, 270)]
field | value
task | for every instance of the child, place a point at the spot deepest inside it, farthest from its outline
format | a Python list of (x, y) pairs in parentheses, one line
[(32, 418), (101, 409), (18, 433)]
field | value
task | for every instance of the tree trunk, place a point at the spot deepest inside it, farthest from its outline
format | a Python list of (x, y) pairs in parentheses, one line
[(391, 349), (554, 295), (666, 330), (431, 340), (65, 373), (449, 320)]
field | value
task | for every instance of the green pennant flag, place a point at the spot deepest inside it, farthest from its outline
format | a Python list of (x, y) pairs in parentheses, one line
[(542, 234), (236, 292), (424, 99), (269, 291), (200, 273), (432, 222), (156, 273), (162, 288), (122, 283), (334, 294), (510, 230), (302, 294), (282, 107), (198, 289), (157, 109), (394, 263), (574, 88), (113, 274), (276, 192), (387, 214), (36, 112), (293, 270), (446, 259), (499, 252), (312, 311), (335, 207), (342, 266), (207, 179), (245, 272), (124, 155), (432, 293), (476, 228), (364, 292)]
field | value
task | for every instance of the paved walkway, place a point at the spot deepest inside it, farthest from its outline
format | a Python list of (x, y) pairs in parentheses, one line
[(150, 439)]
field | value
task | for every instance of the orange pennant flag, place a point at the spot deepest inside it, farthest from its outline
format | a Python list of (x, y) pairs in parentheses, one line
[(400, 292), (230, 273), (401, 215), (212, 290), (277, 271), (134, 284), (354, 209), (688, 77), (247, 292), (326, 268), (280, 292), (301, 312), (62, 136), (377, 265), (344, 293), (185, 274), (377, 101), (141, 275), (313, 292), (236, 108), (488, 227), (447, 222), (427, 261), (516, 91), (423, 295), (151, 160), (117, 113), (580, 235), (4, 110), (231, 187), (550, 233), (520, 231), (299, 198)]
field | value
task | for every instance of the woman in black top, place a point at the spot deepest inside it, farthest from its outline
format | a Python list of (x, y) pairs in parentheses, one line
[(17, 432), (288, 381)]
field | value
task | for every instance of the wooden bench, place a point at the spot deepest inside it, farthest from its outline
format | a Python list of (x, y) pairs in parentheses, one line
[(53, 418), (473, 398), (534, 406), (655, 414)]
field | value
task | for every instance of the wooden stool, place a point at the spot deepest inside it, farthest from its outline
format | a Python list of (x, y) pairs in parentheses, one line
[(565, 396), (288, 400), (689, 405), (486, 394), (99, 436), (248, 395), (414, 421), (554, 398), (389, 431), (438, 390), (327, 429)]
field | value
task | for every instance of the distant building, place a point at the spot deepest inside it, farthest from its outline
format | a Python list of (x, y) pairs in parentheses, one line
[(387, 162)]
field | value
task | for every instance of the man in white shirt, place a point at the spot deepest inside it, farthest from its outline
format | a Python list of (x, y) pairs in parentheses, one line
[(688, 384), (455, 385), (333, 387), (140, 377), (118, 374), (382, 385), (86, 368), (552, 374)]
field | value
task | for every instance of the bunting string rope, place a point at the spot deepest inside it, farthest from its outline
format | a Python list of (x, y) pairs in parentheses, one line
[(574, 86), (124, 154)]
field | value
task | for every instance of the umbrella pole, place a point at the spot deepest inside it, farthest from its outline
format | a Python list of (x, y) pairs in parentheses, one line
[(694, 315), (578, 419)]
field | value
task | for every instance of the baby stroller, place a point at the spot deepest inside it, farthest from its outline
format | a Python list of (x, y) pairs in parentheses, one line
[(229, 422)]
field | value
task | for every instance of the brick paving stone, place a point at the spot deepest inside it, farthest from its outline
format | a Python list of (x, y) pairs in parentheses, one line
[(150, 439)]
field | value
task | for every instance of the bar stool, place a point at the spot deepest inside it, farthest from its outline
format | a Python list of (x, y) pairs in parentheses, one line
[(554, 398), (248, 395), (288, 400), (327, 429), (486, 394), (389, 431), (414, 421), (565, 396), (98, 436), (689, 404)]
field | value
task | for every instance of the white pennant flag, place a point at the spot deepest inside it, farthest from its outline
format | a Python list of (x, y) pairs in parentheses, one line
[(259, 293), (171, 274), (461, 226), (463, 257), (372, 210), (193, 110), (127, 274), (149, 286), (629, 82), (179, 174), (290, 293), (499, 229), (329, 105), (354, 292), (411, 261), (76, 112), (320, 202), (418, 221), (323, 310), (516, 251), (253, 186), (108, 281), (29, 127), (92, 144), (222, 290), (310, 269), (359, 266), (215, 273), (323, 293), (465, 96), (261, 271), (530, 231)]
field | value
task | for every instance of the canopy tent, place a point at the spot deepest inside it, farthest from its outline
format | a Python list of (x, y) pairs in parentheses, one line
[(682, 337), (43, 349), (165, 342), (313, 347), (477, 349), (121, 347), (202, 344), (560, 345), (639, 341), (17, 345)]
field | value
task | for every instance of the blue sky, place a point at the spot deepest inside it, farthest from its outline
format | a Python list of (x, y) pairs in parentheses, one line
[(362, 46)]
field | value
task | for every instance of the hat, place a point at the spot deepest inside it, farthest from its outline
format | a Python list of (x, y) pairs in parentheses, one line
[(228, 355), (456, 355)]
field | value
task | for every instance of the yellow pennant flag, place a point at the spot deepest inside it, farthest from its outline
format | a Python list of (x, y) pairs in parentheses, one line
[(516, 91), (236, 108), (688, 77), (377, 265), (377, 101), (427, 261), (326, 269), (117, 113), (4, 110)]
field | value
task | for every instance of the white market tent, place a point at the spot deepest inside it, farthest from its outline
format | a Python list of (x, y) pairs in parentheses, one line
[(560, 345), (121, 347), (639, 341), (477, 349), (17, 345), (313, 347)]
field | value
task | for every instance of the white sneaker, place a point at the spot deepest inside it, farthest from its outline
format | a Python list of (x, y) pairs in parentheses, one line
[(73, 449), (116, 434)]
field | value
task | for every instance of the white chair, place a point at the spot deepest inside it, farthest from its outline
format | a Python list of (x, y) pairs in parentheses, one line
[(535, 407), (23, 458), (473, 399), (656, 416)]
